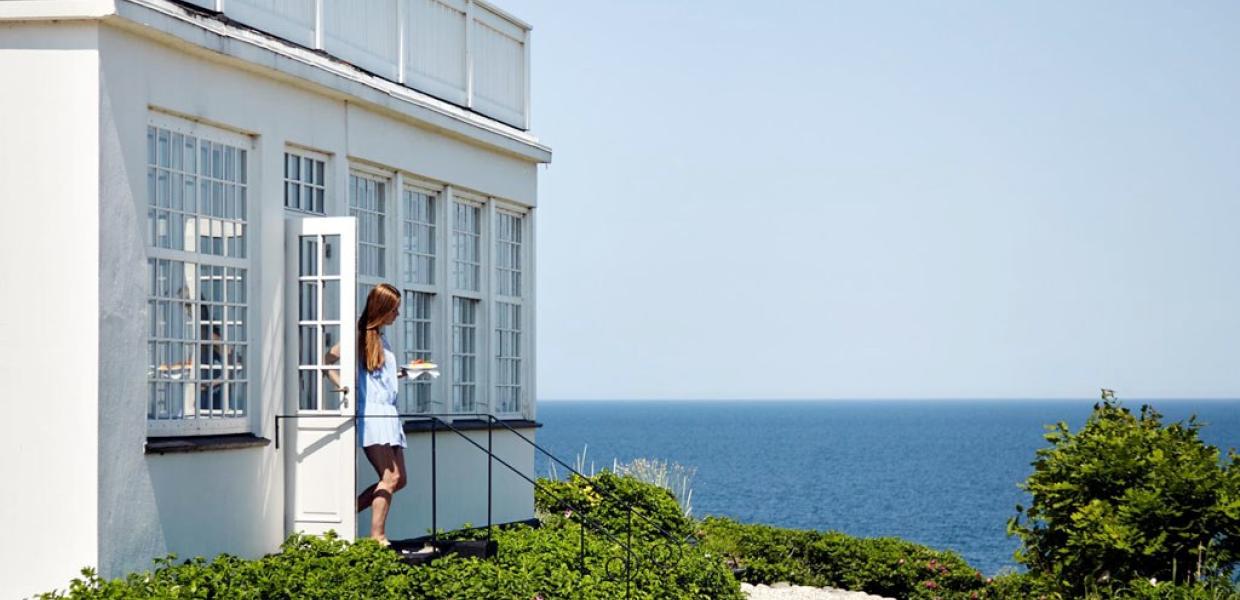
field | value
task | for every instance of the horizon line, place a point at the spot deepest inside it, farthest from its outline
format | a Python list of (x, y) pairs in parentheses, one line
[(895, 399)]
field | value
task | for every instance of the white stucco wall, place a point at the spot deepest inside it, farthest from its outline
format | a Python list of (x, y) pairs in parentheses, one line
[(462, 484), (49, 250), (233, 501)]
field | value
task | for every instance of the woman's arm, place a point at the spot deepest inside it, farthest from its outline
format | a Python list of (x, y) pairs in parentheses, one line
[(332, 357)]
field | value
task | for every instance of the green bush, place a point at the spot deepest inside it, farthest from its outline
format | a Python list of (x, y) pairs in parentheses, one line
[(1024, 586), (1129, 499), (604, 498), (883, 566), (531, 562)]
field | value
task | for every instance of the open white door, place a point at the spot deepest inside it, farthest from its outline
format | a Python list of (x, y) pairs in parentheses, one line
[(319, 438)]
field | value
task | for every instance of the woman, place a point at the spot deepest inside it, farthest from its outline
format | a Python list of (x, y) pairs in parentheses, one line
[(379, 432)]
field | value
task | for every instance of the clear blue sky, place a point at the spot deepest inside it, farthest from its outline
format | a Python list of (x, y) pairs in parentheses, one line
[(878, 200)]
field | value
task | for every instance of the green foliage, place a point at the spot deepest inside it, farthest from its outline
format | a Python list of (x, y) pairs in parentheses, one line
[(883, 566), (306, 567), (592, 498), (1129, 499), (532, 562), (1022, 586)]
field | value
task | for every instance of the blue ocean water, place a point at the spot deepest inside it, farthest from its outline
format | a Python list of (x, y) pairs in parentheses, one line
[(939, 472)]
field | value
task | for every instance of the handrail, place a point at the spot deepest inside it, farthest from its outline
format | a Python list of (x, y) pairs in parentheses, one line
[(490, 419), (595, 525)]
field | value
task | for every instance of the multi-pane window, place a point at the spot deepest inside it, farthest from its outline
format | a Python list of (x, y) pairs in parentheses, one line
[(464, 354), (466, 246), (197, 278), (304, 183), (196, 191), (419, 337), (368, 202), (507, 358), (508, 254), (418, 238)]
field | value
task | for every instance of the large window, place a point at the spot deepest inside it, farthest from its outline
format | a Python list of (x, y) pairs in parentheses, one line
[(368, 202), (507, 358), (508, 253), (508, 309), (417, 277), (418, 238), (466, 246), (464, 355), (305, 186), (198, 340), (419, 343)]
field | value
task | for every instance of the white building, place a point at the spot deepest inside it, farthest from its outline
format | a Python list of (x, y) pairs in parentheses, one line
[(194, 192)]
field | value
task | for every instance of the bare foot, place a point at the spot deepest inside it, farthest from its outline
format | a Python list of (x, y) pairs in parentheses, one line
[(383, 541)]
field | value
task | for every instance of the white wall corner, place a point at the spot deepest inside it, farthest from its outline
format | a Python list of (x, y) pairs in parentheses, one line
[(46, 10)]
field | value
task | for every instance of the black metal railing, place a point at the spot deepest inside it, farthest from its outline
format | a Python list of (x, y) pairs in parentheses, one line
[(674, 544)]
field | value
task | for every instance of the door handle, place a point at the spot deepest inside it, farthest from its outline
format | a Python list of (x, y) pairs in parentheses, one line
[(344, 399)]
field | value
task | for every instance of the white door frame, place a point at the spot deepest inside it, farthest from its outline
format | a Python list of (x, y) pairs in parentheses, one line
[(320, 438)]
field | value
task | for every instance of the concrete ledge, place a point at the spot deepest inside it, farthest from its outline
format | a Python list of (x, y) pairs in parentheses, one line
[(471, 425), (203, 443)]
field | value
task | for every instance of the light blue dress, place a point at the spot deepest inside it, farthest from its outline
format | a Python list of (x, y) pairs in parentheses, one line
[(376, 395)]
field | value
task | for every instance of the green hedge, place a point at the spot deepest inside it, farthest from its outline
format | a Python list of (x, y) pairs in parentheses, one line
[(531, 563), (884, 566)]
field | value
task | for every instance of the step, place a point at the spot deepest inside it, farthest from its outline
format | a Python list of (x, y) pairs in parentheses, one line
[(407, 549)]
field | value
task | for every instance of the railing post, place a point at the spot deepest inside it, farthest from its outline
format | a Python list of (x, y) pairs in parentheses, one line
[(434, 484), (582, 520), (490, 462), (628, 557)]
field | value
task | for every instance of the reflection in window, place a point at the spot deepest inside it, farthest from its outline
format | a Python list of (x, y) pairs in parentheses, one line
[(418, 337), (197, 278)]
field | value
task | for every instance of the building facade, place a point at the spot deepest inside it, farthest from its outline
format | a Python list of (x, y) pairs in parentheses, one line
[(200, 195)]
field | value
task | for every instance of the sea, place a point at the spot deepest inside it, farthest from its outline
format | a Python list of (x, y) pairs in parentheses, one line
[(943, 473)]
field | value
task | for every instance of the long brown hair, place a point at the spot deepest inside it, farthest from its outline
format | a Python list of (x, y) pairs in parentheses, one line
[(380, 303)]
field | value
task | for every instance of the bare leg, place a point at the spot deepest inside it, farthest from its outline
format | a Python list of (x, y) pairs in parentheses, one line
[(389, 462)]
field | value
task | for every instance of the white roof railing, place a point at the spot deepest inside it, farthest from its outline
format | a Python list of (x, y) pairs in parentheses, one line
[(466, 52)]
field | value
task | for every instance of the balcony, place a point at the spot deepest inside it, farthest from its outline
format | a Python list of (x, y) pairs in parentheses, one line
[(466, 52)]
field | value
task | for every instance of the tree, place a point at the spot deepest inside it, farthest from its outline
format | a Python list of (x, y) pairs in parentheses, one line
[(1127, 497)]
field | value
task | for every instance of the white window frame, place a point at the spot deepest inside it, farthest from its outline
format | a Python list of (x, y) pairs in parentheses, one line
[(215, 425), (326, 187), (500, 207), (482, 345), (483, 214), (388, 179), (439, 345)]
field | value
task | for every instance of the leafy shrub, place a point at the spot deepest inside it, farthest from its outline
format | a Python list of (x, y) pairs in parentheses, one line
[(883, 566), (1129, 499), (604, 499), (531, 562)]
